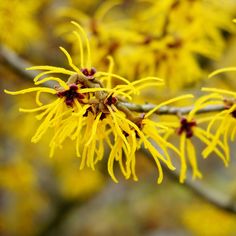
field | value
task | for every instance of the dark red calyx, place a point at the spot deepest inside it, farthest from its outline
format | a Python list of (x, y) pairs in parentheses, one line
[(110, 100), (103, 116), (234, 114), (187, 127), (125, 133), (87, 111), (70, 94), (88, 72)]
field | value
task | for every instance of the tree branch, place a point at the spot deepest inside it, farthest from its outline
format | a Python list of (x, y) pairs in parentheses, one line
[(169, 110), (217, 199), (17, 64)]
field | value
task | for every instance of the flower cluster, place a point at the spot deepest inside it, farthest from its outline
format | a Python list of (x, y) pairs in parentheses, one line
[(88, 111)]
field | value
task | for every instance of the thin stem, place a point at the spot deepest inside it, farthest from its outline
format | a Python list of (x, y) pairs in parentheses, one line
[(170, 110), (17, 63)]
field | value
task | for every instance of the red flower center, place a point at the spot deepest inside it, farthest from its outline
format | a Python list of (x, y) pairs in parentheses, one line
[(70, 94), (88, 73), (187, 127), (234, 114)]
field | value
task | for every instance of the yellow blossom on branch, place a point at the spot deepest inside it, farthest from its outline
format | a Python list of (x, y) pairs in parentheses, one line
[(87, 110), (225, 120), (188, 127)]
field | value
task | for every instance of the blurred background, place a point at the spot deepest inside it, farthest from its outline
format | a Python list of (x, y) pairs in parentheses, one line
[(181, 41)]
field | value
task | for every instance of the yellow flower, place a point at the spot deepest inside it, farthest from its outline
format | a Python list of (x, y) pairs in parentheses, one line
[(88, 111), (224, 121), (91, 128), (187, 127)]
